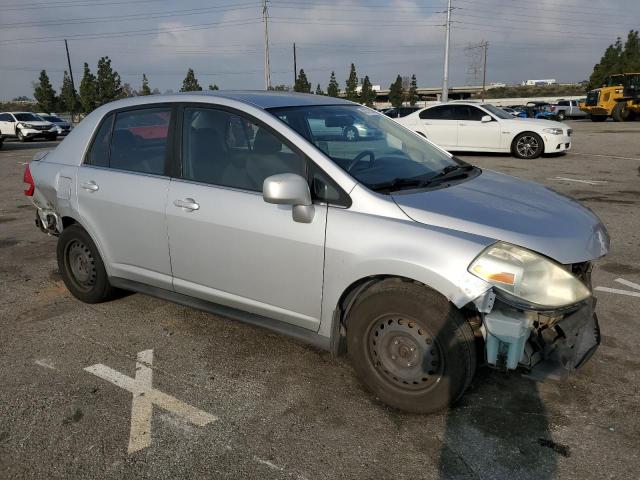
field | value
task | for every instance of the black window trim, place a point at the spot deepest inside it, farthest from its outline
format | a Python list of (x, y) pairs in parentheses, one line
[(176, 167), (172, 106)]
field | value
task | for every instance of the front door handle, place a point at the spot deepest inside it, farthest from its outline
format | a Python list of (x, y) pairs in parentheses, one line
[(188, 204), (90, 186)]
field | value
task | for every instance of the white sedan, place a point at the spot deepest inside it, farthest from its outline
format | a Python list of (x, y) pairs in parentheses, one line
[(480, 127)]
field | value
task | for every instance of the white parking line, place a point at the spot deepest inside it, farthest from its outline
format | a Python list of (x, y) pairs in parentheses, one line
[(45, 363), (604, 156), (144, 397), (590, 182), (622, 292)]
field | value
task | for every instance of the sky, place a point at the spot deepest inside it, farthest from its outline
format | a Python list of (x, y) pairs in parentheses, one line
[(223, 40)]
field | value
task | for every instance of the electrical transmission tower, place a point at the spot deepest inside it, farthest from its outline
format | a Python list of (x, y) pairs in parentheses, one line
[(477, 55)]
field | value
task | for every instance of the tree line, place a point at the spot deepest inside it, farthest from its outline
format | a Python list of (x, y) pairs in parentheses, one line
[(617, 58), (106, 85), (400, 91)]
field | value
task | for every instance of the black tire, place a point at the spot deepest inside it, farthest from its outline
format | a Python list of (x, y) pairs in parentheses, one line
[(81, 266), (527, 145), (52, 138), (424, 330), (351, 134), (598, 118), (621, 113), (561, 116)]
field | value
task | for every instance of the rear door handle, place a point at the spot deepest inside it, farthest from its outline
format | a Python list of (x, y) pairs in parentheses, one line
[(90, 186), (188, 204)]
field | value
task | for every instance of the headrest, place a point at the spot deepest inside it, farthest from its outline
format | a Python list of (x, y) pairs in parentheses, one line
[(265, 142)]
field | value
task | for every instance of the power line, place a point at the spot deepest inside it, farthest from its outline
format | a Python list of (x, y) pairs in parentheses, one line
[(63, 4)]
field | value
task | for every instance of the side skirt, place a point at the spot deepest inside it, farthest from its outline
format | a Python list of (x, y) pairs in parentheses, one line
[(299, 333)]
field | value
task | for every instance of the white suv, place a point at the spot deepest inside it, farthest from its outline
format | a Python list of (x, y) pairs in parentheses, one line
[(26, 126)]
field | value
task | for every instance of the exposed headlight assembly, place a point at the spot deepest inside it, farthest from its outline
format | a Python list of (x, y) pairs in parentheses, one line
[(528, 276), (553, 131), (26, 125)]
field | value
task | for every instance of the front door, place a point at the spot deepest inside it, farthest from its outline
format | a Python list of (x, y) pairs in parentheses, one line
[(227, 244), (475, 134), (122, 194)]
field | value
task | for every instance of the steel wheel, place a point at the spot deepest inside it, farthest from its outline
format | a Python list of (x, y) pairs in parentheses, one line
[(527, 146), (405, 353), (81, 265)]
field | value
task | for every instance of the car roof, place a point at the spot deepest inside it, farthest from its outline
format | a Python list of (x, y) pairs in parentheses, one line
[(272, 98), (14, 113)]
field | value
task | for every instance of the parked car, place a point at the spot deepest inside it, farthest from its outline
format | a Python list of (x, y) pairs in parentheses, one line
[(345, 127), (569, 109), (399, 112), (481, 127), (543, 110), (62, 126), (511, 111), (415, 263), (26, 126)]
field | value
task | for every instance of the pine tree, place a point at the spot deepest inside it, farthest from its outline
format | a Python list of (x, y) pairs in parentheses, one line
[(319, 90), (333, 89), (367, 95), (413, 91), (145, 90), (68, 101), (609, 63), (213, 87), (396, 93), (302, 84), (351, 91), (108, 85), (190, 82), (44, 93), (88, 90), (630, 57)]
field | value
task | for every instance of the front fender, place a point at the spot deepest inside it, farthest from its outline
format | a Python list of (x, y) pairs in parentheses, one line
[(360, 246)]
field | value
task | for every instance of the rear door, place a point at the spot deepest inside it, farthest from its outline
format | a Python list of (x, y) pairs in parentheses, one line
[(472, 132), (122, 193), (228, 245), (440, 125)]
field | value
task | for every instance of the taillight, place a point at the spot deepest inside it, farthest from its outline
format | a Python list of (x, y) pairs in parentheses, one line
[(28, 179)]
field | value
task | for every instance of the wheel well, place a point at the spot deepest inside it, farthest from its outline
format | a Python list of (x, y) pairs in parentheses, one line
[(348, 299), (68, 221)]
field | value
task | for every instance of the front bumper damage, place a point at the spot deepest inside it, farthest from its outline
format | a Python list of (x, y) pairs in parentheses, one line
[(547, 344)]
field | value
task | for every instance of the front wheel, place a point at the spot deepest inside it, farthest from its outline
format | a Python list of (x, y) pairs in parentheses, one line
[(527, 145), (81, 267), (561, 116), (410, 347), (621, 113), (351, 134), (21, 136)]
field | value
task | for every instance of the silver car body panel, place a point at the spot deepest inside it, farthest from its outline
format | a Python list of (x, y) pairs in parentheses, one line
[(297, 273)]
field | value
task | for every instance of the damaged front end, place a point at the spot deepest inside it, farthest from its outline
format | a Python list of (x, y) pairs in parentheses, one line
[(549, 341)]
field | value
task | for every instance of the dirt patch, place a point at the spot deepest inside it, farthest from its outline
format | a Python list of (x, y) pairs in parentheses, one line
[(8, 242), (619, 268)]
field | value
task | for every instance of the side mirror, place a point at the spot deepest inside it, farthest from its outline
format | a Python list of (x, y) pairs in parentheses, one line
[(486, 118), (290, 189)]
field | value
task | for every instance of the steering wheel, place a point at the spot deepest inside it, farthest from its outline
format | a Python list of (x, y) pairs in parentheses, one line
[(360, 156)]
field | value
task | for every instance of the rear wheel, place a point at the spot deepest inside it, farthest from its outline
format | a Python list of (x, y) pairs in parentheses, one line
[(81, 267), (621, 113), (410, 346), (527, 145), (598, 118)]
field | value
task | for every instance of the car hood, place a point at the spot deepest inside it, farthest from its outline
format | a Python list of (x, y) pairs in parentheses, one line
[(36, 122), (517, 211)]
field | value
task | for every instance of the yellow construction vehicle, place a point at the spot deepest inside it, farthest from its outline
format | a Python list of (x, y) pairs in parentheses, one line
[(610, 99)]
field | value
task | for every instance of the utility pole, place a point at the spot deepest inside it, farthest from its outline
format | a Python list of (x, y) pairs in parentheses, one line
[(295, 64), (267, 67), (485, 45), (73, 86), (445, 75)]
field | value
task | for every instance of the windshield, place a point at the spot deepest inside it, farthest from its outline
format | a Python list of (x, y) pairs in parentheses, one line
[(51, 118), (372, 148), (27, 117), (498, 112)]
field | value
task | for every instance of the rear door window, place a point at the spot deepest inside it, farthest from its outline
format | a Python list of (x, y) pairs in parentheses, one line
[(443, 112), (99, 152)]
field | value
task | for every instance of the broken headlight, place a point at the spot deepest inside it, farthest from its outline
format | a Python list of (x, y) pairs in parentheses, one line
[(528, 276)]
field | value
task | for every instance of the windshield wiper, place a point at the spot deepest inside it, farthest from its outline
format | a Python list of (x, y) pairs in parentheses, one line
[(399, 184), (451, 171)]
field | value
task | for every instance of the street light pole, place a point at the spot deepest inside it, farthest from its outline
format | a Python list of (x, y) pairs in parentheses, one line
[(445, 75), (267, 67)]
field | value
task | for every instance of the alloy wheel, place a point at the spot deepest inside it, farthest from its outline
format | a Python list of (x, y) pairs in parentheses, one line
[(527, 146)]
